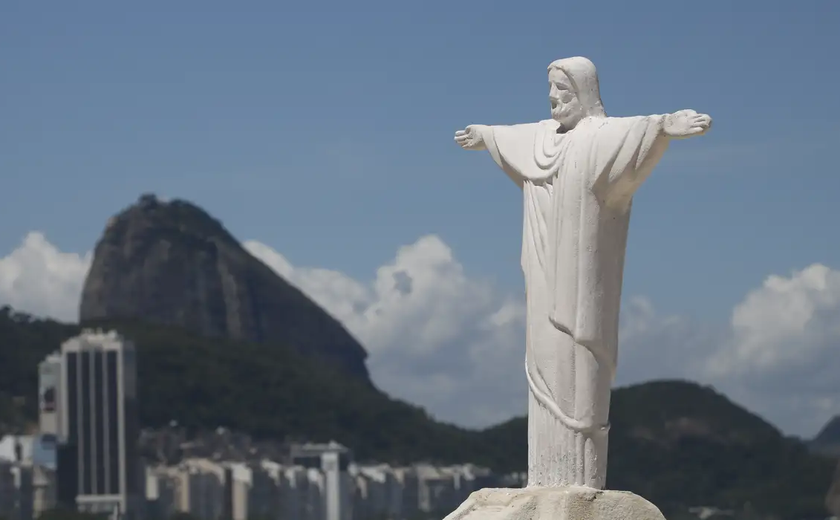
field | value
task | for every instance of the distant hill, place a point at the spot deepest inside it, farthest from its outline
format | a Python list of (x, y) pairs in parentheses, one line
[(679, 439), (171, 263), (676, 443), (827, 442)]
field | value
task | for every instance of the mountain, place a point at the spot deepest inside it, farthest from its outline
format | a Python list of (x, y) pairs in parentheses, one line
[(827, 441), (676, 443), (171, 263)]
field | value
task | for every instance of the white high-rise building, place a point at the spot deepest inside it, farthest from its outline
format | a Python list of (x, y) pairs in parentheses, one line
[(98, 419)]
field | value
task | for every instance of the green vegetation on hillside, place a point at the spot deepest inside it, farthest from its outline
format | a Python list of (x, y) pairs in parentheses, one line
[(679, 443), (676, 443)]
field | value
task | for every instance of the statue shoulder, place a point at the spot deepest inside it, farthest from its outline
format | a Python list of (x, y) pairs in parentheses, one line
[(611, 128)]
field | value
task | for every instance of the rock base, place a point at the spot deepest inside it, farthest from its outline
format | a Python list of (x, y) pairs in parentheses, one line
[(555, 503)]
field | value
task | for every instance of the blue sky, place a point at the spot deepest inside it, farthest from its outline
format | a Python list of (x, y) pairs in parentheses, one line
[(324, 129)]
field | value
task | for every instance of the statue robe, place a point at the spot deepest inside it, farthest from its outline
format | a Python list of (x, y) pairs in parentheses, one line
[(578, 189)]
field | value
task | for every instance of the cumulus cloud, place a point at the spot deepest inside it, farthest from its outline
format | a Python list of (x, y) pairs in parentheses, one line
[(436, 336), (36, 277), (779, 355), (454, 344), (783, 350)]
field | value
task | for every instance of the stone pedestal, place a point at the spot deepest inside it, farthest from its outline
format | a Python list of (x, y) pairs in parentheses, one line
[(555, 503)]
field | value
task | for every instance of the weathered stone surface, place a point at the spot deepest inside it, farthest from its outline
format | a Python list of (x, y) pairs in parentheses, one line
[(172, 263), (555, 503), (578, 172)]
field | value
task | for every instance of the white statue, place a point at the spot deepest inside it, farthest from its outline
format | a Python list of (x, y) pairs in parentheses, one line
[(578, 171)]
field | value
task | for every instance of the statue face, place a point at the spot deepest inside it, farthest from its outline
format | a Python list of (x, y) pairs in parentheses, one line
[(565, 106)]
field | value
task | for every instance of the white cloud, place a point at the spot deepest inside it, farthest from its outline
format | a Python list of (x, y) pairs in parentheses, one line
[(783, 350), (779, 355), (454, 344), (38, 278), (436, 336), (785, 323)]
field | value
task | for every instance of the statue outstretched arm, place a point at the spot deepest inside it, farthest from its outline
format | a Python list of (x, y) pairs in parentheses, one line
[(631, 147), (686, 123), (473, 137), (512, 148)]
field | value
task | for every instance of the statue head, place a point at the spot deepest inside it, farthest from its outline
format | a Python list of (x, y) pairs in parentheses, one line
[(573, 91)]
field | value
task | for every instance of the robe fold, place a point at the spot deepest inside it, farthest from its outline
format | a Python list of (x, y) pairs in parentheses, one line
[(602, 165), (578, 189)]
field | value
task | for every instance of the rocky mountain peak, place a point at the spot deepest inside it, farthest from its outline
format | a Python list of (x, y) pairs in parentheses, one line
[(170, 262)]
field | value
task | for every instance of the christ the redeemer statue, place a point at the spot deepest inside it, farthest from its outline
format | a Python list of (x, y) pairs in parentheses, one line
[(578, 172)]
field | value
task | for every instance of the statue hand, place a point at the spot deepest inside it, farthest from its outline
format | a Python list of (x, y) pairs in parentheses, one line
[(471, 138), (686, 123)]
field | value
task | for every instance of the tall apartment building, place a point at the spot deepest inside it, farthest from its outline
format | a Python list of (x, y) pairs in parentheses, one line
[(333, 460), (97, 418)]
